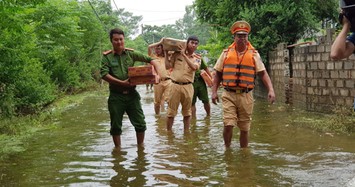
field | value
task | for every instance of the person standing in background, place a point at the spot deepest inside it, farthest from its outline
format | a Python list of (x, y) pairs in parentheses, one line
[(200, 90), (161, 90)]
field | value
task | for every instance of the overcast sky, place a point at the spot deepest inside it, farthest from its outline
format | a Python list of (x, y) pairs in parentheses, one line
[(155, 12)]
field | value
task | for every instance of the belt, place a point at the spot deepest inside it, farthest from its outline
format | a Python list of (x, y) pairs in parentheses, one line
[(181, 83), (124, 92), (164, 79), (238, 91)]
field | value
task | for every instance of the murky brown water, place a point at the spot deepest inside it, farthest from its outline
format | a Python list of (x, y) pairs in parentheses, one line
[(80, 152)]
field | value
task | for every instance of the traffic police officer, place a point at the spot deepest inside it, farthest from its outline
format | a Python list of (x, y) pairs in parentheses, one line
[(236, 68)]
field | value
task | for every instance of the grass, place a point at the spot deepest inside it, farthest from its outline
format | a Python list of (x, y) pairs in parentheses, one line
[(341, 121)]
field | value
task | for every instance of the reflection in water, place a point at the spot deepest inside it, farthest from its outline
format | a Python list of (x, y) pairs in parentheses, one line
[(129, 170), (240, 168)]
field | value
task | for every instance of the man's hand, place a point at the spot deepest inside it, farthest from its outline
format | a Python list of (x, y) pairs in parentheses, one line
[(126, 83), (215, 99), (343, 19), (181, 47), (271, 96)]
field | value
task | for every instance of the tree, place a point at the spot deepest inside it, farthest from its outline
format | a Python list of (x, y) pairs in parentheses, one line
[(272, 21), (189, 25), (25, 86), (182, 29)]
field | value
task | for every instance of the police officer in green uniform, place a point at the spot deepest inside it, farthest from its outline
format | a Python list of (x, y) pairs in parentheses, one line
[(123, 96), (200, 90)]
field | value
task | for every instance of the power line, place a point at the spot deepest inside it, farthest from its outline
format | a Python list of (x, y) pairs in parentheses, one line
[(98, 17), (162, 19), (114, 2), (158, 11)]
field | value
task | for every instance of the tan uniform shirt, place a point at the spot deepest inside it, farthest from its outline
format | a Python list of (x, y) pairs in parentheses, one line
[(182, 72), (161, 67)]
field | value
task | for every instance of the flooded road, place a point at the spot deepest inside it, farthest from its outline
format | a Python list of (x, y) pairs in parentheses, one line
[(79, 152)]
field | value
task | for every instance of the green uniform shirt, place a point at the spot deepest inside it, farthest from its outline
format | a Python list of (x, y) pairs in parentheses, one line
[(117, 65), (198, 71)]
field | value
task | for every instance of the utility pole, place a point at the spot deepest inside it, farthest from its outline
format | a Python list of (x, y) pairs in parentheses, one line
[(142, 28)]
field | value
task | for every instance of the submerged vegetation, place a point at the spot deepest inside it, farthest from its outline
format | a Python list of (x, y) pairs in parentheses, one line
[(341, 121)]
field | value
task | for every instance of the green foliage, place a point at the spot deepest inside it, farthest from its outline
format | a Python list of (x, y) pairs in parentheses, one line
[(189, 25), (153, 34), (272, 21), (50, 47), (214, 48), (138, 44), (182, 29), (26, 86), (7, 99)]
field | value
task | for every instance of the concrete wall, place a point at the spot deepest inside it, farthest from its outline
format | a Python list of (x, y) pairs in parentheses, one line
[(305, 76)]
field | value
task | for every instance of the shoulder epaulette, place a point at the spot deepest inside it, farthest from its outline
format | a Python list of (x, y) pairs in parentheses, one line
[(197, 55), (129, 49), (107, 52)]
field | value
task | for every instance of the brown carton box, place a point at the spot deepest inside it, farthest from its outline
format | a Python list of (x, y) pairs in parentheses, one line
[(147, 79), (206, 78), (172, 44), (141, 71), (169, 44)]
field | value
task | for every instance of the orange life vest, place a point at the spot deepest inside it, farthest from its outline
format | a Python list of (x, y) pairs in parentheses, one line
[(239, 71)]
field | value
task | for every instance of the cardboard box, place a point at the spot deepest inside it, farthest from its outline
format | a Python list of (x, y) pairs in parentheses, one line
[(137, 71), (206, 78), (147, 79), (170, 44)]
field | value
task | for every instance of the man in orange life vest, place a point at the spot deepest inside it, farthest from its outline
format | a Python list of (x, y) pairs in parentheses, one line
[(237, 68)]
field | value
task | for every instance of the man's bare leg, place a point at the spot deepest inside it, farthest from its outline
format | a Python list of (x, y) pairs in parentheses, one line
[(227, 135), (187, 121), (244, 139), (140, 138), (169, 123), (116, 140)]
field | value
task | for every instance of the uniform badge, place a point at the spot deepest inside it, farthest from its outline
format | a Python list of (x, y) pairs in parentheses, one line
[(114, 62)]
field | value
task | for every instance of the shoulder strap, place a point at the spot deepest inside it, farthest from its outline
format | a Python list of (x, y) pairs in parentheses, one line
[(107, 52), (129, 49), (197, 55), (225, 52)]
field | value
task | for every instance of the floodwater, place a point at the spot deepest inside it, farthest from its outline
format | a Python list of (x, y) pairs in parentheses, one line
[(79, 152)]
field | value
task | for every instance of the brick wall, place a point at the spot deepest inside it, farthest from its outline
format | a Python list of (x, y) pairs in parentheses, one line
[(306, 77)]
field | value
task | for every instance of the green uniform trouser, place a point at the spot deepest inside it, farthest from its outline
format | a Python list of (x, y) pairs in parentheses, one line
[(118, 104), (200, 91)]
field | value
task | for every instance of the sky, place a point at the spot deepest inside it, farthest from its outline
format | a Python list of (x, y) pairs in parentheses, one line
[(155, 12)]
